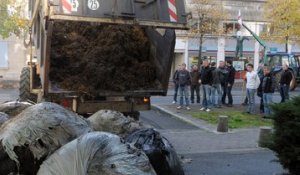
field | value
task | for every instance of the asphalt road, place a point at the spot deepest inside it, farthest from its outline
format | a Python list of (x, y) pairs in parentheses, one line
[(233, 162)]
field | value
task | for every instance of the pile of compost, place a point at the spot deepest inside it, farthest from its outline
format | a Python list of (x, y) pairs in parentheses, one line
[(95, 58)]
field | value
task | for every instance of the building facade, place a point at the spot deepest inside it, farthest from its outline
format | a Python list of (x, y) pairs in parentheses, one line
[(217, 48)]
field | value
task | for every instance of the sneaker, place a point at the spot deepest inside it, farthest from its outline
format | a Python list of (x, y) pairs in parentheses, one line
[(230, 105), (202, 109), (179, 107), (207, 110), (174, 102), (188, 108)]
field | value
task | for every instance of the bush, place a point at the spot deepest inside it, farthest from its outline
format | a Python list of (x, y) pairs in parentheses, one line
[(286, 138)]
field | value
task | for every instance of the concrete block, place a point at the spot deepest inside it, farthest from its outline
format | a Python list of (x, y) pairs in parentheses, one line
[(223, 124)]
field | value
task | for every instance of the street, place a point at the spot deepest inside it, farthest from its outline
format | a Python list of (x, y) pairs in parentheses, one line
[(204, 152), (211, 154)]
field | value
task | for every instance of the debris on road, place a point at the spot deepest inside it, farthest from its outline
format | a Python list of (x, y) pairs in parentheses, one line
[(97, 153), (113, 122), (160, 152), (14, 108), (34, 134)]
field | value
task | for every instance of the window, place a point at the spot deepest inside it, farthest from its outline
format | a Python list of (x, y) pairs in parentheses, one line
[(3, 55), (231, 28)]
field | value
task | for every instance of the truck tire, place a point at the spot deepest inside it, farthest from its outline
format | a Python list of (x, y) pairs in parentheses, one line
[(24, 90)]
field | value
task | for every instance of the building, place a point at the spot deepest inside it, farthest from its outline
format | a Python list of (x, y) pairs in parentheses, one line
[(216, 48)]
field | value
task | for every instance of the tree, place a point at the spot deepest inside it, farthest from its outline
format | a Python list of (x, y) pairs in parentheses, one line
[(284, 20), (11, 20), (208, 15)]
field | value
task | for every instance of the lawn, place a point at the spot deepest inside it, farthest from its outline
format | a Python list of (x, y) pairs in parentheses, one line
[(237, 119)]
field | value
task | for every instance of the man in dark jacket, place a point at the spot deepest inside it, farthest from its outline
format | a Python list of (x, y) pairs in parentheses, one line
[(268, 88), (229, 84), (285, 80), (183, 78), (176, 84), (206, 81), (195, 77), (216, 90)]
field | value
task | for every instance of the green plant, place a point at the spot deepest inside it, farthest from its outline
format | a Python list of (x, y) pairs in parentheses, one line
[(286, 137)]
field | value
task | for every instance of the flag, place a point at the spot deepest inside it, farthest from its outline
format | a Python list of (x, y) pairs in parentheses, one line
[(240, 18)]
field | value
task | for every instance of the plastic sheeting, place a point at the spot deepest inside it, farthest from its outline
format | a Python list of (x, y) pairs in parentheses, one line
[(14, 108), (161, 153), (97, 153), (113, 122), (3, 118), (37, 132)]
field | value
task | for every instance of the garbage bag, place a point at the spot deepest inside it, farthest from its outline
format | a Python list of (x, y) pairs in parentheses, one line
[(159, 150), (14, 108), (3, 118), (97, 153), (113, 122), (27, 139)]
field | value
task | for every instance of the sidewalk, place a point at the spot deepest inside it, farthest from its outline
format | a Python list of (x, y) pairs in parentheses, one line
[(206, 139)]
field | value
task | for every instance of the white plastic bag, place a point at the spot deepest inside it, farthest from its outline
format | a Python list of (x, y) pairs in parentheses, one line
[(38, 131), (113, 122), (94, 154), (14, 108)]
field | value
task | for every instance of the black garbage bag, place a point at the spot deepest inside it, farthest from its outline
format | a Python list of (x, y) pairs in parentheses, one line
[(159, 150)]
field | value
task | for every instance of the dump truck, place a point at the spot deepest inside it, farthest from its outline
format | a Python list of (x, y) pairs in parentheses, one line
[(72, 63)]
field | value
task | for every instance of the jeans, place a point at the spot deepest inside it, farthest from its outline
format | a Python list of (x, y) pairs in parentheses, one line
[(251, 99), (284, 92), (267, 98), (227, 92), (216, 88), (176, 91), (184, 92), (197, 89), (206, 103)]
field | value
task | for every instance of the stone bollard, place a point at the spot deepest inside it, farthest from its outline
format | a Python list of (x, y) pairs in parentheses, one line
[(223, 124), (264, 136)]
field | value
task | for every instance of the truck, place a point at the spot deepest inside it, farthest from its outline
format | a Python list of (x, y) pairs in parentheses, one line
[(155, 20)]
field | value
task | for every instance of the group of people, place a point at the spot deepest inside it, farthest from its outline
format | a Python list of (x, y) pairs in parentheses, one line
[(217, 82)]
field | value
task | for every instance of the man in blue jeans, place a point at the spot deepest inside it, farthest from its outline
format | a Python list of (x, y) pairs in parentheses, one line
[(268, 88), (253, 82), (176, 85), (216, 90), (184, 80), (285, 80), (206, 81)]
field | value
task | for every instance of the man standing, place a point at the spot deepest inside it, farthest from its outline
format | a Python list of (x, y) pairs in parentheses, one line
[(216, 90), (229, 84), (223, 78), (268, 88), (253, 82), (206, 81), (195, 76), (285, 80), (176, 84), (183, 78)]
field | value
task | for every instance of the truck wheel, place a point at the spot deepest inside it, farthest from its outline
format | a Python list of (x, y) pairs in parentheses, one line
[(277, 78), (293, 83), (24, 90)]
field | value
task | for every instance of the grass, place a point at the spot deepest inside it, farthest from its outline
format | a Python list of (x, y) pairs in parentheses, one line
[(237, 119)]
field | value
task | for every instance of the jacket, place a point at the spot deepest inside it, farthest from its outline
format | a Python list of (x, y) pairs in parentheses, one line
[(174, 77), (206, 76), (231, 75), (183, 78), (268, 84), (286, 77), (216, 75), (253, 80), (195, 77), (223, 75)]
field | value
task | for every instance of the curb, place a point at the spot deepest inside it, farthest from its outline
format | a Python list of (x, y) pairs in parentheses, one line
[(188, 119)]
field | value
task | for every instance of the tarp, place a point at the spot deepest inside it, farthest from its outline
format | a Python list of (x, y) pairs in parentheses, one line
[(94, 154), (39, 131), (113, 122)]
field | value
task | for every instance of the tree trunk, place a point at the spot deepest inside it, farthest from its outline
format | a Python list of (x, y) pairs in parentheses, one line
[(287, 44), (200, 50)]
